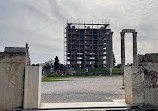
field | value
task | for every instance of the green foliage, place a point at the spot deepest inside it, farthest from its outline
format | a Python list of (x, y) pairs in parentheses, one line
[(52, 80), (47, 66), (56, 63), (93, 70), (61, 66), (118, 66), (35, 64), (100, 70), (58, 75), (81, 70), (117, 70), (114, 60), (55, 78)]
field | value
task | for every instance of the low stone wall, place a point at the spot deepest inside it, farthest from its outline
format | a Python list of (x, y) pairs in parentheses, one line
[(12, 66)]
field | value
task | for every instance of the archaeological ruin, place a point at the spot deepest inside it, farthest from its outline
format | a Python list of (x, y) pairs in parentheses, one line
[(123, 46), (20, 83)]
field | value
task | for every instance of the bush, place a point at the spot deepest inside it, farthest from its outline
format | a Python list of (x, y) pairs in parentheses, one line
[(100, 70)]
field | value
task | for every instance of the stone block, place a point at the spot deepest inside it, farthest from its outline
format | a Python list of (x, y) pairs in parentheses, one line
[(12, 67), (15, 49), (32, 90), (16, 57), (134, 92), (128, 85), (128, 30)]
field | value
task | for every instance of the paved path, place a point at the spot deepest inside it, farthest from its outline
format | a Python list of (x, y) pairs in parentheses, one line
[(100, 89)]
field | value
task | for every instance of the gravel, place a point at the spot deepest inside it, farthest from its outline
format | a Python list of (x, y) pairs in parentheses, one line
[(99, 89)]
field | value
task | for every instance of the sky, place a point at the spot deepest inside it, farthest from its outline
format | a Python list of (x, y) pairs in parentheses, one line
[(41, 23)]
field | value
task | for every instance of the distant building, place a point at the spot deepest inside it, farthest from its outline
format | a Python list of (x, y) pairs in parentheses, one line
[(88, 45)]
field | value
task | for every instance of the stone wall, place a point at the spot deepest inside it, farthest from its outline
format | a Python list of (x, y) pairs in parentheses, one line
[(150, 67), (151, 83), (12, 79), (141, 83)]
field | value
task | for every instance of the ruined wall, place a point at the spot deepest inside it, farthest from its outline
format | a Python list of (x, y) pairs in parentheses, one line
[(151, 83), (141, 83), (11, 79)]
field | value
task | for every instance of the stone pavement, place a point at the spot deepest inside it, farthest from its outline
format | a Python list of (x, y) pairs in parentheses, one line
[(100, 89), (115, 104)]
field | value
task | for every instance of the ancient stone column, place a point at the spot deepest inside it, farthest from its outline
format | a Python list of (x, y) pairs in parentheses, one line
[(135, 49), (111, 50), (122, 49)]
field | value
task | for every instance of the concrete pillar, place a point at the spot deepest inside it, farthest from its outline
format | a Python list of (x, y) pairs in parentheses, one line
[(122, 49), (111, 50), (32, 88), (135, 61)]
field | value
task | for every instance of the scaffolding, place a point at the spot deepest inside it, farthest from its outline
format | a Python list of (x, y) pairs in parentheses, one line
[(86, 43)]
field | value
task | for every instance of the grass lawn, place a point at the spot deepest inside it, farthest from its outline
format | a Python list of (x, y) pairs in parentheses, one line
[(56, 78), (48, 79), (100, 70)]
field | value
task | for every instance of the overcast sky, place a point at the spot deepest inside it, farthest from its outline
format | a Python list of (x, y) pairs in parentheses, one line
[(40, 23)]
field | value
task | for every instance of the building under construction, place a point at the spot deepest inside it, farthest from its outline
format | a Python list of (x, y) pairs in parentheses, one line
[(88, 45)]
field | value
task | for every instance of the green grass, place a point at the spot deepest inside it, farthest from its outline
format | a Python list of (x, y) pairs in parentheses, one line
[(117, 70), (57, 75), (56, 78), (100, 70), (50, 79)]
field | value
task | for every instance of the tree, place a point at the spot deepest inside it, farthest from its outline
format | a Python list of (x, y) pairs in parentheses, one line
[(47, 66), (61, 66), (56, 63), (35, 64), (114, 60), (118, 66)]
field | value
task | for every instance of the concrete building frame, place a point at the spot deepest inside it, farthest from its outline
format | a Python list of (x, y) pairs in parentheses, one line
[(88, 45)]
